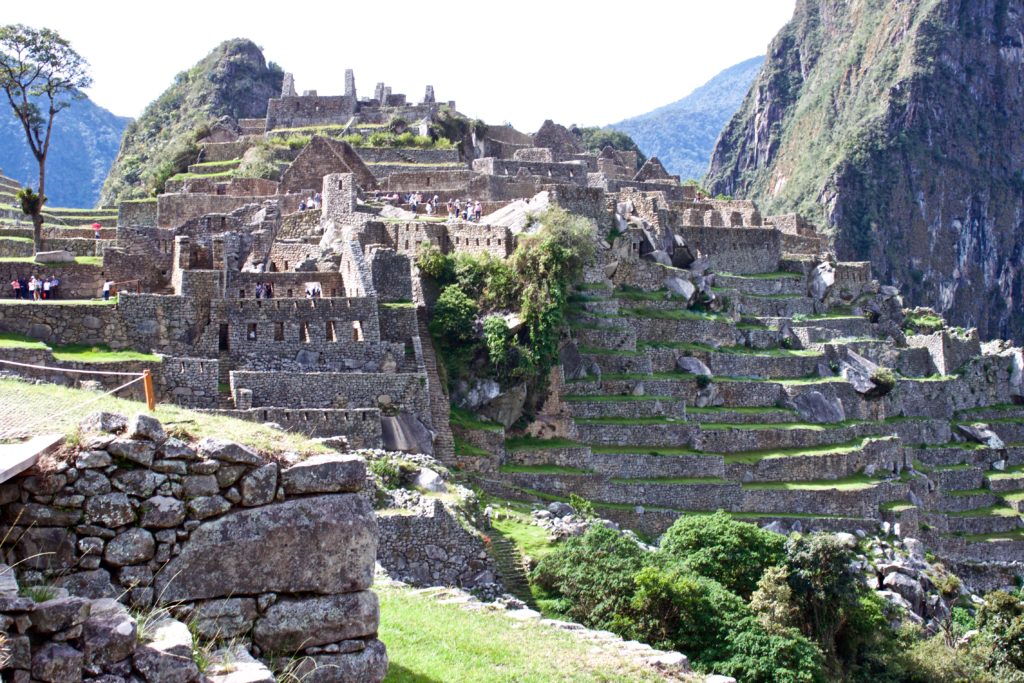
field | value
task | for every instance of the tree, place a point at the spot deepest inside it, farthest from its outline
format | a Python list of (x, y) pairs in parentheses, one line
[(41, 74)]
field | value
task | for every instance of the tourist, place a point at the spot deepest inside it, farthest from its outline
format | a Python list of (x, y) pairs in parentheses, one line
[(478, 210), (268, 291), (302, 205), (259, 290), (46, 287), (16, 286), (458, 209), (33, 291), (96, 230), (317, 199), (54, 284), (107, 284)]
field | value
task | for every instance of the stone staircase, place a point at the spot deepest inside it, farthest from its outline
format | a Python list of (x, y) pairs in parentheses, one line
[(444, 443), (511, 567)]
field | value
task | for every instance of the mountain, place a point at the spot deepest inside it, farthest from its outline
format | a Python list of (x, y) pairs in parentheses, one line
[(682, 134), (85, 141), (900, 127), (233, 80)]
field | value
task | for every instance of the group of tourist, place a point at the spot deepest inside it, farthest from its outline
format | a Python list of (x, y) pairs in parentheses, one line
[(264, 290), (313, 292), (310, 203), (36, 288), (470, 211)]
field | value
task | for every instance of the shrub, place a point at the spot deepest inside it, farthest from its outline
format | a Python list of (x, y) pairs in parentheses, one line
[(884, 380), (779, 657), (436, 265), (454, 314), (388, 472), (593, 576), (733, 553), (583, 507), (379, 139), (496, 340)]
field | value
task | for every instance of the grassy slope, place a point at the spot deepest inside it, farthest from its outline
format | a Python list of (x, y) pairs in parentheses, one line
[(430, 642)]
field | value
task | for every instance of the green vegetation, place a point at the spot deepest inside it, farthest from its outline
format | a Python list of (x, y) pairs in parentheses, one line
[(100, 353), (460, 417), (595, 139), (11, 340), (530, 443), (466, 449), (162, 142), (543, 469), (75, 404), (857, 482), (428, 640)]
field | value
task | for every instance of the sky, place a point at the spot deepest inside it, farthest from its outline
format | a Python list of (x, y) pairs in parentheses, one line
[(520, 62)]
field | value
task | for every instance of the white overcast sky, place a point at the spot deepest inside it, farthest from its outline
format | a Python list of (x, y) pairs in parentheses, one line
[(522, 61)]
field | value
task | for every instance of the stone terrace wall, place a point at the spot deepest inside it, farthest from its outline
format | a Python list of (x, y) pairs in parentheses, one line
[(137, 213), (77, 280), (407, 391), (361, 427), (65, 323), (295, 112), (279, 556), (737, 250)]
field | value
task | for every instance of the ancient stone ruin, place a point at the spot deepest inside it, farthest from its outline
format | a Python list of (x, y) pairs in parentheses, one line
[(716, 359)]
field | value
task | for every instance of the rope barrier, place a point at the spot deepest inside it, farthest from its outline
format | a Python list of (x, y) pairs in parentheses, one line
[(80, 372)]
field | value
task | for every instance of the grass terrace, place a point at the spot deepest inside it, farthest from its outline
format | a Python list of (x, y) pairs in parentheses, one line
[(734, 350), (71, 405), (460, 417), (858, 482), (466, 449), (646, 450), (618, 398), (83, 260), (752, 457), (680, 481), (543, 469), (988, 511), (765, 276), (673, 314), (83, 353), (532, 443)]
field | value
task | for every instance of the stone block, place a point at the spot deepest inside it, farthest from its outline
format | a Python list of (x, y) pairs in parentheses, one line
[(295, 624), (57, 663), (166, 657), (325, 474), (254, 551)]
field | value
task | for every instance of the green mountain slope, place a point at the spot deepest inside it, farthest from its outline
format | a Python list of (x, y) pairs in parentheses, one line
[(682, 134), (233, 80), (900, 127), (85, 141)]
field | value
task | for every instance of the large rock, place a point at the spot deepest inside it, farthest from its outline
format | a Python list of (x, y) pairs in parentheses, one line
[(680, 287), (101, 421), (57, 663), (166, 655), (429, 480), (821, 280), (506, 408), (224, 619), (236, 665), (59, 614), (109, 635), (982, 434), (56, 256), (405, 432), (323, 544), (162, 512), (659, 256), (815, 407), (143, 426), (573, 365), (228, 451), (325, 474), (692, 365), (908, 588), (131, 547), (858, 370), (367, 666), (308, 622), (259, 486)]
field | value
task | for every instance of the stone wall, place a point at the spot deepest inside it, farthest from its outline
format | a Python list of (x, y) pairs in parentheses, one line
[(77, 280), (430, 548), (277, 557), (334, 389), (736, 250), (137, 213), (361, 427), (65, 323), (296, 112)]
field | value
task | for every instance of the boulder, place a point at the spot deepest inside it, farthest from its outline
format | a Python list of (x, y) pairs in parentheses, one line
[(143, 426), (325, 474), (858, 370), (166, 655), (821, 280), (559, 509), (109, 634), (140, 452), (693, 366), (162, 512), (573, 365), (293, 624), (101, 421), (259, 486), (236, 665), (680, 287), (407, 433), (709, 396), (815, 407), (506, 408), (983, 434), (110, 510), (205, 507), (59, 614), (94, 584), (659, 256), (429, 480), (56, 256), (906, 587), (223, 619), (366, 666), (228, 451), (337, 531), (682, 255), (130, 547), (57, 663)]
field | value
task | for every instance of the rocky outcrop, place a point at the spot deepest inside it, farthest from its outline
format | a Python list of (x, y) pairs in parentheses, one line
[(898, 124)]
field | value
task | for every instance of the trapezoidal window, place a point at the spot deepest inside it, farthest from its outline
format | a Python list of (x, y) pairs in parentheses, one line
[(223, 338), (250, 333), (278, 331), (304, 332), (331, 336), (357, 331)]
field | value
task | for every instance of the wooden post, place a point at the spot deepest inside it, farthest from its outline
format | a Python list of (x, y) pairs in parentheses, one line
[(147, 383)]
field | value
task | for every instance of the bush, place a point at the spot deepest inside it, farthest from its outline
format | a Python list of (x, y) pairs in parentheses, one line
[(593, 575), (583, 507), (496, 340), (454, 315), (436, 265), (379, 139), (780, 657), (733, 553), (884, 380)]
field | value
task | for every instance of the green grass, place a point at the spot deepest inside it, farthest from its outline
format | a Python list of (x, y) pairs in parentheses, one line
[(460, 417), (531, 443), (431, 642), (83, 260), (673, 314), (10, 340), (191, 176), (896, 506), (733, 350), (858, 482), (621, 398), (644, 450), (23, 240), (543, 469), (74, 404), (681, 481), (739, 410), (84, 353), (628, 421), (963, 493), (994, 537), (1010, 473), (532, 540), (399, 304), (997, 510), (751, 457), (609, 352), (466, 449)]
